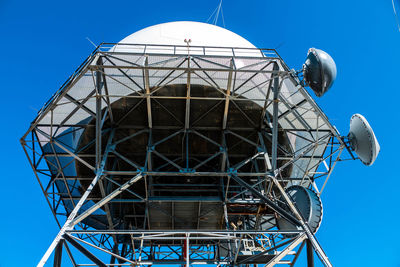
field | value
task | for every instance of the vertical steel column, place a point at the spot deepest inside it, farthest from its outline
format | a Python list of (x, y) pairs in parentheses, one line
[(275, 124), (310, 254), (115, 251), (147, 88), (187, 112), (148, 182), (100, 82), (98, 114), (187, 251), (227, 228), (58, 254)]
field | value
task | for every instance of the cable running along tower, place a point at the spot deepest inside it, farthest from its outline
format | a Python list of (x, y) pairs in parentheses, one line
[(184, 144)]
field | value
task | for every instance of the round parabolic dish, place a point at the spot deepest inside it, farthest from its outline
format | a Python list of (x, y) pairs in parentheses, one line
[(319, 71), (363, 140), (308, 204)]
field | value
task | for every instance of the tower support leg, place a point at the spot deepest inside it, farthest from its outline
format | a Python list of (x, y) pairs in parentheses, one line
[(58, 254), (310, 254)]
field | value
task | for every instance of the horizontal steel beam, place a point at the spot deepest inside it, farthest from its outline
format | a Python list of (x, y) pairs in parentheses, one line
[(219, 174), (242, 70), (174, 127), (183, 232)]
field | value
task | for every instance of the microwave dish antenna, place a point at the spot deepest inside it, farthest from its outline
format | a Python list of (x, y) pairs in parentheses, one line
[(309, 206), (363, 140), (319, 71)]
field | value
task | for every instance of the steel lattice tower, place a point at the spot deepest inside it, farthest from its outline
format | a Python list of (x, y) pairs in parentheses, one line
[(182, 155)]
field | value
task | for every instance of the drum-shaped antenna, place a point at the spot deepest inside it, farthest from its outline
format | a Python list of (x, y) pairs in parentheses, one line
[(362, 139), (308, 204), (319, 71)]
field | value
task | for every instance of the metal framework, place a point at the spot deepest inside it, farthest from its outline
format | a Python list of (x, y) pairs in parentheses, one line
[(102, 150)]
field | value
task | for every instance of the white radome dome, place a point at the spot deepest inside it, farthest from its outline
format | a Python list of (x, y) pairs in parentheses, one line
[(175, 33)]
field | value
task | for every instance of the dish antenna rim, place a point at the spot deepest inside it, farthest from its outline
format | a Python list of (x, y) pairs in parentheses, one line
[(362, 139)]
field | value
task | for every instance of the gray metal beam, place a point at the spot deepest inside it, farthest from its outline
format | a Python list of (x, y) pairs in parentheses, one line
[(275, 124), (98, 85), (147, 88), (228, 94), (67, 249), (297, 254), (310, 254), (79, 105), (58, 254), (105, 200), (187, 109)]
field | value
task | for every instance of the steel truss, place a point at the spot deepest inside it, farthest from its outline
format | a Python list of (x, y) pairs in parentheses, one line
[(256, 179)]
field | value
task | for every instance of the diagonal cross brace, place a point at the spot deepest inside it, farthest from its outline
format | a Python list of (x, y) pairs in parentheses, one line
[(317, 247), (84, 251), (269, 202), (74, 213), (289, 248), (106, 199)]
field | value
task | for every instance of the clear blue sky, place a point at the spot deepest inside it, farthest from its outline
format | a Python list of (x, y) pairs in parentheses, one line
[(42, 42)]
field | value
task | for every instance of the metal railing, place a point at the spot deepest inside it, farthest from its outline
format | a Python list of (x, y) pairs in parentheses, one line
[(184, 49), (159, 49)]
